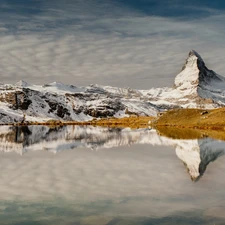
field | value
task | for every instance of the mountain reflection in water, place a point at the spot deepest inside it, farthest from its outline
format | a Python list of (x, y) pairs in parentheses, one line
[(196, 154), (108, 176)]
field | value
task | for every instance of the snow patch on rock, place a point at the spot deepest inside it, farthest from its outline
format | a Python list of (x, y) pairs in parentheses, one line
[(195, 87)]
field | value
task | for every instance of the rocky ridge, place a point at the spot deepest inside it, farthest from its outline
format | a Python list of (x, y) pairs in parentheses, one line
[(195, 87)]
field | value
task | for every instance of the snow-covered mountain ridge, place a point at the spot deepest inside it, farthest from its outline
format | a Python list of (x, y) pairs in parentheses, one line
[(195, 87)]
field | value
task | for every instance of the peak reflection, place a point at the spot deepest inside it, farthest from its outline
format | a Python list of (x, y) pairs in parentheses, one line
[(196, 154)]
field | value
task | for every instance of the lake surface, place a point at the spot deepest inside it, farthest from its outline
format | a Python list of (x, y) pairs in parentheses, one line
[(92, 175)]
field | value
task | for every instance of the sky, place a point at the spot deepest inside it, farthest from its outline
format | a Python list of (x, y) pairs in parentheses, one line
[(125, 43)]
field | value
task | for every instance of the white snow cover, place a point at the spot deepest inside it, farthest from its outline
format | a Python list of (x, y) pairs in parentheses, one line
[(57, 88), (195, 87), (10, 115), (188, 77)]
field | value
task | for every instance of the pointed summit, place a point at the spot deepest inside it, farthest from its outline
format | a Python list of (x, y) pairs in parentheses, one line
[(195, 74), (194, 53), (194, 59), (188, 78)]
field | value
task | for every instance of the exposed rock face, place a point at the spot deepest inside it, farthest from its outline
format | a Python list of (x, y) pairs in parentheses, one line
[(189, 75), (194, 73), (205, 85), (195, 87), (41, 103)]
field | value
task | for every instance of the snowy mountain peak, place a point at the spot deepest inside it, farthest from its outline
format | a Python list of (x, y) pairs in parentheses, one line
[(193, 61), (188, 78), (195, 75), (54, 84), (195, 87), (21, 83), (194, 53)]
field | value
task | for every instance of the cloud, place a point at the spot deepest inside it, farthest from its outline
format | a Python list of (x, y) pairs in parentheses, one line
[(105, 43)]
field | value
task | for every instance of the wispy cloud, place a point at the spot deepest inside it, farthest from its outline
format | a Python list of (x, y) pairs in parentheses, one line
[(106, 43)]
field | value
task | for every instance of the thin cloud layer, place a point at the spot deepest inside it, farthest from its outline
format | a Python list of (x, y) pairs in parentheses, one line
[(106, 43)]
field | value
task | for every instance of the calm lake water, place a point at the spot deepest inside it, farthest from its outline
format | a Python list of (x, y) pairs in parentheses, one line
[(90, 175)]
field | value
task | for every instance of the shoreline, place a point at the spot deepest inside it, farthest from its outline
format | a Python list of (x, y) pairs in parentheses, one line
[(132, 122), (176, 123), (202, 119)]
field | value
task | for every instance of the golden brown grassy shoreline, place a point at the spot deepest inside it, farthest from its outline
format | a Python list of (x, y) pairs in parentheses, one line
[(193, 118), (132, 122), (192, 123), (168, 122)]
